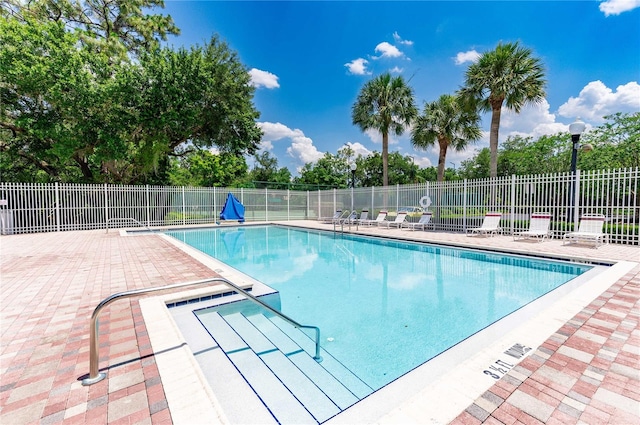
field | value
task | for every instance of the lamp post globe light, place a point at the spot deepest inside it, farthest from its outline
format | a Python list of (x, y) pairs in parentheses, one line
[(576, 129), (353, 167)]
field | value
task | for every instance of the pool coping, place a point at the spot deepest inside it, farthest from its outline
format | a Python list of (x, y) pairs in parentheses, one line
[(401, 401)]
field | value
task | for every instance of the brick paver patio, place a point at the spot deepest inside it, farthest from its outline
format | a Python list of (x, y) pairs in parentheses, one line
[(587, 372)]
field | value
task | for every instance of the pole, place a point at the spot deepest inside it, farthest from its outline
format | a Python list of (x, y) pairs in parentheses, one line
[(575, 139)]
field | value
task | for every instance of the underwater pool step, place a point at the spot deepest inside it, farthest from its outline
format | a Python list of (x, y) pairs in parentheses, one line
[(317, 391), (328, 383), (354, 384)]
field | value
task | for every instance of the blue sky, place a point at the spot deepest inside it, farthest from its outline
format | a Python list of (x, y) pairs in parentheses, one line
[(308, 61)]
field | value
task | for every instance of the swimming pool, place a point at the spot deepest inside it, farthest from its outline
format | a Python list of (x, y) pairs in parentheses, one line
[(384, 306)]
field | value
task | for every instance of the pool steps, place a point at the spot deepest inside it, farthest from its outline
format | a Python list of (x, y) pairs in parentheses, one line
[(273, 357)]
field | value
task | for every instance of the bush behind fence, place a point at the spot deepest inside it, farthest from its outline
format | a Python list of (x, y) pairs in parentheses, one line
[(456, 205)]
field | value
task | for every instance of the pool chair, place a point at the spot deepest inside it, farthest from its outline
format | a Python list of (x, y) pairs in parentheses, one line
[(336, 216), (350, 219), (344, 215), (425, 220), (590, 230), (490, 225), (538, 228), (400, 218), (380, 218), (364, 216)]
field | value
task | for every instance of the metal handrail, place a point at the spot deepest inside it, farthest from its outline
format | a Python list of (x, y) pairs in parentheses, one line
[(130, 219), (94, 356)]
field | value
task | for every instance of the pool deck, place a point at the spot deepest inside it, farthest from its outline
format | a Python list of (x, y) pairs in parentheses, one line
[(587, 371)]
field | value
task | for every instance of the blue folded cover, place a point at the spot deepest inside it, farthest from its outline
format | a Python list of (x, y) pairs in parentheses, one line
[(233, 209)]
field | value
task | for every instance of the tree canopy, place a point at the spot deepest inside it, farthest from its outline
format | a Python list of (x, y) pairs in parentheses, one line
[(74, 111), (509, 75)]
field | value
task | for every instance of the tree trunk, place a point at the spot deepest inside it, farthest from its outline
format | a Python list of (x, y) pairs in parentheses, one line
[(496, 109), (385, 158), (442, 158)]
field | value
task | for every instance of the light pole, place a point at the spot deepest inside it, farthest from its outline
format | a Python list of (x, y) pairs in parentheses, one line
[(353, 167), (576, 129)]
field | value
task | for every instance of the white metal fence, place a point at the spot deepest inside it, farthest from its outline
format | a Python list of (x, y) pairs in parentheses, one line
[(456, 205)]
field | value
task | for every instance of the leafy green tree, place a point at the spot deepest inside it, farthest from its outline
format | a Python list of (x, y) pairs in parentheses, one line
[(265, 170), (449, 122), (117, 29), (476, 167), (328, 171), (509, 76), (616, 143), (202, 168), (79, 116), (385, 104)]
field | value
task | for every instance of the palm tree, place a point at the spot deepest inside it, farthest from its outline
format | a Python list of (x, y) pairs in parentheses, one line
[(449, 122), (508, 75), (385, 104)]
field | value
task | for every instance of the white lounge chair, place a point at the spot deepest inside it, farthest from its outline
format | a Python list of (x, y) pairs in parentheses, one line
[(364, 216), (382, 215), (402, 215), (341, 218), (425, 220), (590, 230), (490, 225), (351, 218), (336, 216), (538, 227)]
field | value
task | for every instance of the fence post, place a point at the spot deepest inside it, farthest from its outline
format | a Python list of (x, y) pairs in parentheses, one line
[(266, 204), (513, 200), (288, 204), (214, 204), (57, 206), (335, 203), (464, 206), (148, 206), (184, 208), (106, 207)]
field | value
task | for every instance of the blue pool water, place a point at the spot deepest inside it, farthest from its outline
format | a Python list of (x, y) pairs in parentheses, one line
[(384, 306)]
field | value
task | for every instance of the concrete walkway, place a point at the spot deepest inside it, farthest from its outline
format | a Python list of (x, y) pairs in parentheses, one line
[(50, 283)]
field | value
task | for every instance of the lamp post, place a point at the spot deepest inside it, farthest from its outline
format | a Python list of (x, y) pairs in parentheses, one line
[(353, 167), (576, 129)]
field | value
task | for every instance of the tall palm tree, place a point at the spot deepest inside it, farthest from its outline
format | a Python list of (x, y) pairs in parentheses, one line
[(508, 75), (385, 104), (448, 121)]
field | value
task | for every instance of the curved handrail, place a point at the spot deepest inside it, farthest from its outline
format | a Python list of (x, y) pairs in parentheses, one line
[(130, 219), (94, 359)]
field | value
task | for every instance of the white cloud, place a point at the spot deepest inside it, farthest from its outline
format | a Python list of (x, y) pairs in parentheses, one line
[(301, 149), (399, 39), (359, 149), (358, 67), (388, 50), (468, 56), (376, 137), (597, 100), (261, 78), (396, 70), (616, 7), (422, 161)]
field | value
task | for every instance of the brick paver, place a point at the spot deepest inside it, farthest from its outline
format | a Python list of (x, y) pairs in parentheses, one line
[(587, 372)]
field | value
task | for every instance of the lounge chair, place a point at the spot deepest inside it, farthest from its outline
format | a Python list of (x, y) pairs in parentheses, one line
[(402, 215), (351, 218), (590, 230), (336, 216), (425, 220), (538, 227), (341, 218), (490, 225), (364, 216), (382, 215)]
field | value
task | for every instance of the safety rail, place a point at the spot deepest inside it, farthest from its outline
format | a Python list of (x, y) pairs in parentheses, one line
[(94, 356), (129, 219)]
